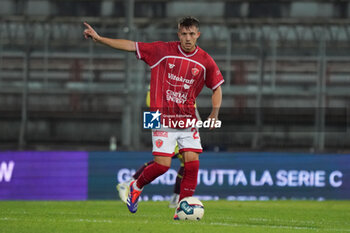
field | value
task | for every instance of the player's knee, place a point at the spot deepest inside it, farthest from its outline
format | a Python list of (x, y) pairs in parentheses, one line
[(162, 160), (190, 156)]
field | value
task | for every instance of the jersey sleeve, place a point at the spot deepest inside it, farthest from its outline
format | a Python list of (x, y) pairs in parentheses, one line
[(150, 53), (214, 77)]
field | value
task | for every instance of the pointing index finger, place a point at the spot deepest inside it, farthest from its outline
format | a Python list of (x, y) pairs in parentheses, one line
[(87, 25)]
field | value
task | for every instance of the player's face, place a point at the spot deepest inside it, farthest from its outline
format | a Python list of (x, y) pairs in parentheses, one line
[(188, 38)]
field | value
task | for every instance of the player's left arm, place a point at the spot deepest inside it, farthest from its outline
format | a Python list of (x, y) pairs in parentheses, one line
[(120, 44), (216, 100)]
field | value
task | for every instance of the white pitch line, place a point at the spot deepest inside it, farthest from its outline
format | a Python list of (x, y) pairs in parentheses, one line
[(54, 220), (278, 227), (265, 226), (294, 221), (90, 220), (201, 223), (8, 219), (282, 220)]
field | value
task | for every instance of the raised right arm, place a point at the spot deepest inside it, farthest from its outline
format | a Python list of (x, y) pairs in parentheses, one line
[(120, 44)]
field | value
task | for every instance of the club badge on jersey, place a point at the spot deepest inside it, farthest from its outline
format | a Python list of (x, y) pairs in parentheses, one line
[(194, 71)]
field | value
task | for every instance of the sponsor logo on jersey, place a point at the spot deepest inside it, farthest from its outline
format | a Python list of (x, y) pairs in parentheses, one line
[(195, 71), (171, 66), (158, 133), (177, 97), (159, 143), (180, 79)]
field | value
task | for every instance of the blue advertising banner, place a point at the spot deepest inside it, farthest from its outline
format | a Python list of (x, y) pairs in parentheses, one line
[(232, 176), (43, 175)]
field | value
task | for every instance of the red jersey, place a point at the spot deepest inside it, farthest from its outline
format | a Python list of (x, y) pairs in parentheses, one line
[(177, 77)]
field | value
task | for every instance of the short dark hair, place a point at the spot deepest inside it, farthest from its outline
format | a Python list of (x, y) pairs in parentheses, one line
[(187, 22)]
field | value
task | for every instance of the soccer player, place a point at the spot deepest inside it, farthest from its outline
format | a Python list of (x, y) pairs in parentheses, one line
[(123, 188), (179, 71)]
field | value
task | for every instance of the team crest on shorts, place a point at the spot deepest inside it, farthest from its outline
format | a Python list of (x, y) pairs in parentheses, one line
[(159, 143), (195, 71)]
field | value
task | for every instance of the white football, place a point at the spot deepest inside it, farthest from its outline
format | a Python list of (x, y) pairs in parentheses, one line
[(190, 208)]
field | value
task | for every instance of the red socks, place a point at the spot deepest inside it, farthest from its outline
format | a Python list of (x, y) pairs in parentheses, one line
[(189, 180), (150, 173), (138, 172), (188, 183)]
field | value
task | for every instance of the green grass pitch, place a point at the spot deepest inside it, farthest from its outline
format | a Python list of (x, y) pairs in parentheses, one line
[(220, 216)]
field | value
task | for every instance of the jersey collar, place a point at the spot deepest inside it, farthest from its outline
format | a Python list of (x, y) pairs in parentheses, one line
[(187, 54)]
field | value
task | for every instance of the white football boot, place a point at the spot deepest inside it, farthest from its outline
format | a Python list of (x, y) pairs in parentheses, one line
[(174, 200), (123, 190)]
